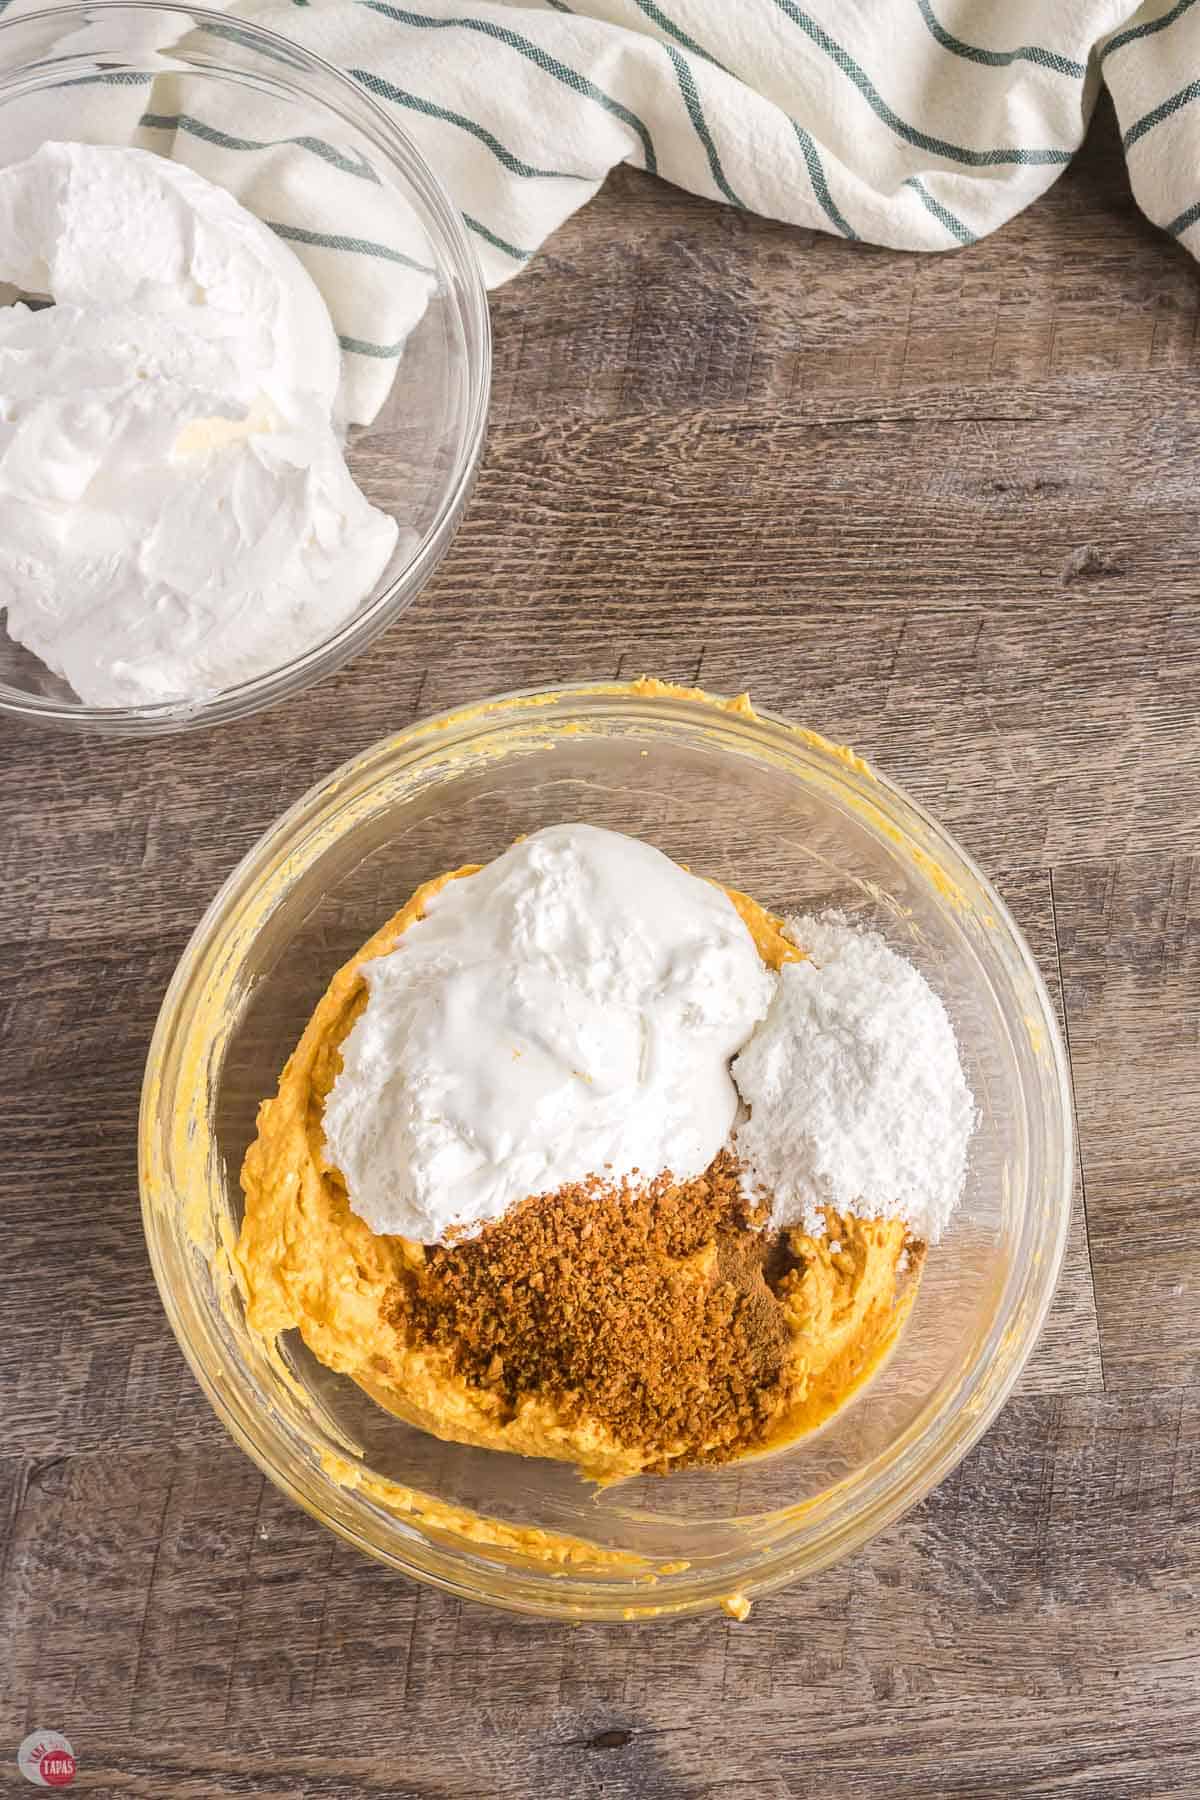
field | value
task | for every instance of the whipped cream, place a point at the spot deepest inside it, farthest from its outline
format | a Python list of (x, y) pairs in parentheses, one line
[(176, 514), (570, 1010)]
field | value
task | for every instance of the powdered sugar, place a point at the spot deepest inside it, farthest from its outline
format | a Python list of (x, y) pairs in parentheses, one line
[(857, 1095)]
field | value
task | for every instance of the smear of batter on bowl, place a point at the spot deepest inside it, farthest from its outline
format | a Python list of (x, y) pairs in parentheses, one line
[(583, 1156)]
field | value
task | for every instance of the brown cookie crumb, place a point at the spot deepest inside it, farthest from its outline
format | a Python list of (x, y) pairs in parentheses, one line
[(646, 1309)]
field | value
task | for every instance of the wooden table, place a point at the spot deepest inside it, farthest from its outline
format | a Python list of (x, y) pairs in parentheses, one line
[(945, 509)]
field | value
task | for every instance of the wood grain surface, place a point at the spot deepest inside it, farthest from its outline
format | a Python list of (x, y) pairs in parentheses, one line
[(947, 510)]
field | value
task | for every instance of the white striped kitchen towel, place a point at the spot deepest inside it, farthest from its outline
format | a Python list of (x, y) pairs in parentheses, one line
[(920, 124)]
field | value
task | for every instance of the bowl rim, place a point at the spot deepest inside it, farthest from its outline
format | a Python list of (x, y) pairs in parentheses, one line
[(929, 1448), (462, 273)]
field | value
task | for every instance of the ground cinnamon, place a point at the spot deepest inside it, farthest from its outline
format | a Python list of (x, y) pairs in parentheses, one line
[(649, 1309)]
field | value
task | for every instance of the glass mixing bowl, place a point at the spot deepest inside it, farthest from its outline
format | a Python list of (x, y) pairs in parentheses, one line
[(752, 802), (287, 134)]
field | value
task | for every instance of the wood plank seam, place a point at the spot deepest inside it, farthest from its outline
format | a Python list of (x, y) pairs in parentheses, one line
[(141, 1643)]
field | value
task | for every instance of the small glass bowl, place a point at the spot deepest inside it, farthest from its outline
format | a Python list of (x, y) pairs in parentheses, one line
[(59, 73), (754, 803)]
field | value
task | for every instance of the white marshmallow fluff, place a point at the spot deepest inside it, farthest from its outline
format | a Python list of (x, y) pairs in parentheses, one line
[(570, 1010)]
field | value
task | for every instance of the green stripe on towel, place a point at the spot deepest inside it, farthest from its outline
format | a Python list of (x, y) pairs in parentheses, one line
[(325, 240), (941, 213), (658, 17), (1135, 32), (1184, 221), (210, 135), (1149, 120), (816, 174), (383, 90), (361, 347), (550, 65), (691, 99), (973, 159), (497, 243), (1000, 59)]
